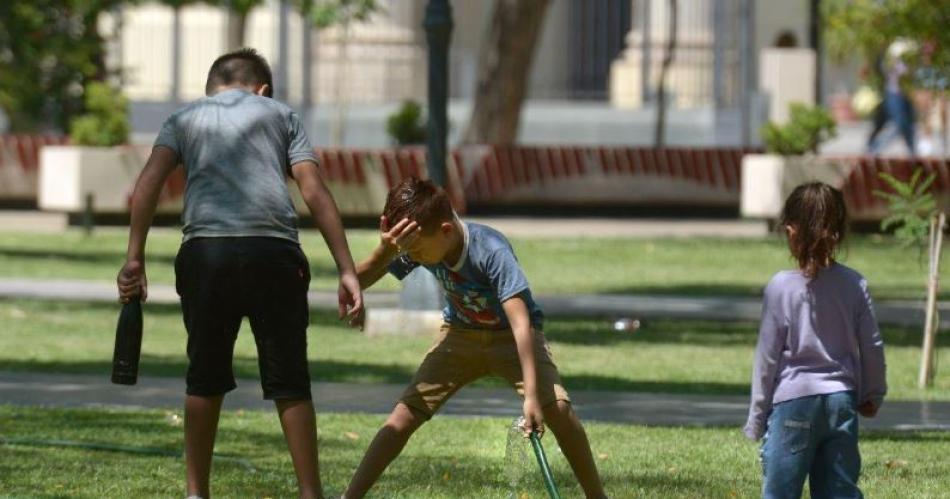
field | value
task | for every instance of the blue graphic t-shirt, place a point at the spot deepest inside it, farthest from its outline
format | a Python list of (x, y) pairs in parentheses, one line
[(486, 275)]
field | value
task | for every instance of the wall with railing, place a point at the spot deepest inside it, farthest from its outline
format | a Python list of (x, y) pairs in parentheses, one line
[(510, 176)]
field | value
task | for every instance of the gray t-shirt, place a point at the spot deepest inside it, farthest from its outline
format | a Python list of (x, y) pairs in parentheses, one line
[(485, 276), (237, 149)]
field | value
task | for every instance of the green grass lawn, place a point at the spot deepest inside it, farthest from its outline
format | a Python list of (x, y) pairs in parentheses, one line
[(662, 357), (447, 458), (694, 266)]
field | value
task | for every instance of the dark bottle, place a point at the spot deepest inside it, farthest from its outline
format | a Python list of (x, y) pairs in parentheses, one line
[(128, 343)]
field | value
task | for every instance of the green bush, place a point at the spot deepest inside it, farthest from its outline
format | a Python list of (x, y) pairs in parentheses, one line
[(106, 120), (910, 207), (807, 127), (406, 126)]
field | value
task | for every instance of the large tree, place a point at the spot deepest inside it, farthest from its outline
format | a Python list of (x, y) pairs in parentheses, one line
[(504, 64), (49, 51), (869, 26), (659, 136), (238, 10)]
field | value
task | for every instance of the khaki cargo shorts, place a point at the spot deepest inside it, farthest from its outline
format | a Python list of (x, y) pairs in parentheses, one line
[(461, 356)]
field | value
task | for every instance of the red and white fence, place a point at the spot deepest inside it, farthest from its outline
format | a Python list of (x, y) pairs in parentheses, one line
[(517, 175), (20, 163), (864, 178)]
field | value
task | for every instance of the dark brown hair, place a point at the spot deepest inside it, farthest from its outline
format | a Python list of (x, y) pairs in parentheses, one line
[(244, 67), (818, 214), (420, 201)]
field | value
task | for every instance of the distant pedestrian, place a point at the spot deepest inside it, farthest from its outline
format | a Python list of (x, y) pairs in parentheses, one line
[(896, 108)]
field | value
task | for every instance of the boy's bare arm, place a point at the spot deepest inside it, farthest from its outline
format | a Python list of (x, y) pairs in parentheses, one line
[(375, 266), (517, 313), (131, 280), (327, 218)]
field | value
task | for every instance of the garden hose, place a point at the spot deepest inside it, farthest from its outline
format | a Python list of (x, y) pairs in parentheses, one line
[(543, 464)]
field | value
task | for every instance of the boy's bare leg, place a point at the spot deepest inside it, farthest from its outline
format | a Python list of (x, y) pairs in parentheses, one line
[(562, 420), (389, 442), (201, 427), (300, 430)]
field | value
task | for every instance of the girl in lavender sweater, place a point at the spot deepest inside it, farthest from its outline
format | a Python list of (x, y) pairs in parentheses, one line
[(819, 360)]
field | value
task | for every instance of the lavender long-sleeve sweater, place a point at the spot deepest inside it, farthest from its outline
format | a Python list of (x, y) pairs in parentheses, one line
[(817, 336)]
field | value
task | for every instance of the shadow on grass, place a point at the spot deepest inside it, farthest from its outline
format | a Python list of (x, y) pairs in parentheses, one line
[(606, 383), (712, 290), (112, 257), (601, 332), (704, 290), (317, 268), (924, 436), (244, 368), (595, 332), (361, 372)]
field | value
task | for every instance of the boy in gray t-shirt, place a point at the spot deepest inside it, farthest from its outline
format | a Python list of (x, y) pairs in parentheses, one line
[(240, 256)]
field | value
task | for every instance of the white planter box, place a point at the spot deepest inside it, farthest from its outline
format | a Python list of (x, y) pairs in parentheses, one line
[(768, 179), (69, 173)]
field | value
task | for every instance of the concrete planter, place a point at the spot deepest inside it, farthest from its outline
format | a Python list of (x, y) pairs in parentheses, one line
[(69, 173), (768, 179)]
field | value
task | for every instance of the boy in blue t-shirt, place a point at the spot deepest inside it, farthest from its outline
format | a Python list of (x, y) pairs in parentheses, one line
[(492, 327)]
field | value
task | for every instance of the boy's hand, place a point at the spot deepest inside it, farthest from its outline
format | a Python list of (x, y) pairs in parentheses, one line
[(533, 417), (399, 236), (132, 281), (351, 300), (868, 409)]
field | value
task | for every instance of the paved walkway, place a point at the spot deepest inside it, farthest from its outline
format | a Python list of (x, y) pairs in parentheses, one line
[(84, 390), (897, 312)]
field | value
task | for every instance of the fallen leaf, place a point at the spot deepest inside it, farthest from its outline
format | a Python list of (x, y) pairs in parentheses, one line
[(447, 476), (602, 456), (351, 435), (895, 463)]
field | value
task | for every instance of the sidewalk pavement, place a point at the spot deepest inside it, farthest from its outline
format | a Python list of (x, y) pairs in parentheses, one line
[(89, 390), (726, 308)]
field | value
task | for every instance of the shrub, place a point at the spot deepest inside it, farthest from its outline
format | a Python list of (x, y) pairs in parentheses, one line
[(910, 207), (106, 120), (807, 127), (406, 126)]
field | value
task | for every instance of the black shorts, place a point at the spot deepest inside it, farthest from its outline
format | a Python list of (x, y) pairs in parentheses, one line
[(221, 281)]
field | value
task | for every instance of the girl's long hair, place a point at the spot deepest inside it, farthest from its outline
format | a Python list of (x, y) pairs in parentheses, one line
[(818, 217)]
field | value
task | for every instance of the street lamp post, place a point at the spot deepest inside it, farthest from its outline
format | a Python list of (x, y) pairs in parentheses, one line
[(438, 25)]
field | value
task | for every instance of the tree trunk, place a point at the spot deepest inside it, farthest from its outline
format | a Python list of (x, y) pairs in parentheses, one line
[(237, 22), (504, 64), (931, 325), (338, 130), (668, 53)]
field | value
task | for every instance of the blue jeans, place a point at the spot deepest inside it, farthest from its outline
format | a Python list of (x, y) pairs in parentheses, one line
[(896, 108), (817, 437)]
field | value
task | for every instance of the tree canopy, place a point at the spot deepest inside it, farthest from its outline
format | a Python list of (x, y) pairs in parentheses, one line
[(869, 26)]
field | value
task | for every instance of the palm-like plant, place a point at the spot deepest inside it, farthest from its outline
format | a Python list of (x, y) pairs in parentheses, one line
[(911, 207)]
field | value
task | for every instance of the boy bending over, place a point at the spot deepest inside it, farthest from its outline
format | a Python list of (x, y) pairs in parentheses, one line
[(492, 327)]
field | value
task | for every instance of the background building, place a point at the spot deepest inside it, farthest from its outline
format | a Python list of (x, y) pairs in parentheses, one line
[(593, 79)]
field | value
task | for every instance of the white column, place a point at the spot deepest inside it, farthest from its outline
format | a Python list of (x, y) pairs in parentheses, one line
[(786, 75), (691, 73)]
